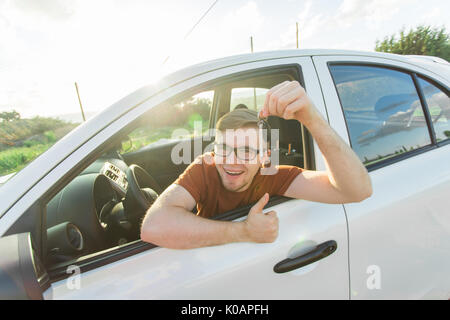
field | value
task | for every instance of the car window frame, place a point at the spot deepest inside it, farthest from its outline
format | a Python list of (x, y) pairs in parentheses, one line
[(414, 74), (113, 254), (442, 88)]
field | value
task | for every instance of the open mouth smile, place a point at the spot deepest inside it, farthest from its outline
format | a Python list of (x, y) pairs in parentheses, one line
[(233, 173)]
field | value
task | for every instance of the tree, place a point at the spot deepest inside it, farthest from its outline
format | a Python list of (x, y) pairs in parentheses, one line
[(11, 115), (424, 40)]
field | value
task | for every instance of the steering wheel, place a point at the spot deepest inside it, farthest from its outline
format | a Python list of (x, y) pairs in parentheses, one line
[(142, 187)]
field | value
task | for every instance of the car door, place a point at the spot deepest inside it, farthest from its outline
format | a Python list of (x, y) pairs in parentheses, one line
[(232, 271), (400, 237)]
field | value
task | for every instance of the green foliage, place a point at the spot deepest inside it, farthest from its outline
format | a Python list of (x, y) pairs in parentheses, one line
[(170, 117), (50, 135), (9, 115), (424, 40), (22, 140), (12, 132), (15, 159), (178, 115)]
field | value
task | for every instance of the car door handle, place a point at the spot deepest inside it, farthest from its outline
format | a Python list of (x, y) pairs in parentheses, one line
[(319, 252)]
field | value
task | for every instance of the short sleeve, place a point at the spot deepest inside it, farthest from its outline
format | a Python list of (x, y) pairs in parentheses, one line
[(284, 177), (192, 180)]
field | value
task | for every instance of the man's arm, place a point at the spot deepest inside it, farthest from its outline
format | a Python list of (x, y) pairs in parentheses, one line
[(171, 224), (346, 179)]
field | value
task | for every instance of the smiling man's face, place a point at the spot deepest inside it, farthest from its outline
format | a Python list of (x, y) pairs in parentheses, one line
[(237, 172)]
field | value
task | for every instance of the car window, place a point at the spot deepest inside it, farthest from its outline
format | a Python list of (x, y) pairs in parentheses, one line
[(181, 119), (382, 109), (252, 98), (439, 107)]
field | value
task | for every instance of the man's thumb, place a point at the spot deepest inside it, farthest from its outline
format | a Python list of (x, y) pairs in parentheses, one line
[(259, 206)]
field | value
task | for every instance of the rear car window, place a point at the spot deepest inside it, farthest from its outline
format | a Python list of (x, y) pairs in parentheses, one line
[(382, 109), (439, 106)]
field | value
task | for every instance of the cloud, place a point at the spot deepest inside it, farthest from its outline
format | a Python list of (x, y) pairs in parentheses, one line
[(53, 9), (247, 17), (372, 12), (342, 27), (246, 20), (44, 50)]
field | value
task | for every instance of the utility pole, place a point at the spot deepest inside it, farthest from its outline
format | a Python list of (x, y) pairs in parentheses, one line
[(296, 27), (254, 89), (79, 100)]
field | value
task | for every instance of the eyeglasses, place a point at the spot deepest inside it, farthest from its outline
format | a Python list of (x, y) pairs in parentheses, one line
[(244, 153)]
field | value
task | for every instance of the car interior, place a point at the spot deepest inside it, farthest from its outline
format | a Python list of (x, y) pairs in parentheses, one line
[(103, 206)]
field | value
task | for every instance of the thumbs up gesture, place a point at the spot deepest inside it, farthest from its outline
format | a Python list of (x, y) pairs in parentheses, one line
[(261, 227)]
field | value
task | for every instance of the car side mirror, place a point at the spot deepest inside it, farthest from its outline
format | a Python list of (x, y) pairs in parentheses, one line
[(22, 275)]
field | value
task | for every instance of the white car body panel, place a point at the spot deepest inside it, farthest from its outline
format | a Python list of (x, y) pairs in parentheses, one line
[(233, 271), (417, 216), (403, 229)]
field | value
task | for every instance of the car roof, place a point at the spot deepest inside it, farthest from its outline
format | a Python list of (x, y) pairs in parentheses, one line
[(434, 64), (20, 183)]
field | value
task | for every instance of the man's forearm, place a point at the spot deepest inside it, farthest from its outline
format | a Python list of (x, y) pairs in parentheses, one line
[(177, 228), (345, 171)]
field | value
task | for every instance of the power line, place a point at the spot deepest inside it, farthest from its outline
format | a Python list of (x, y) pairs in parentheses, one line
[(195, 25), (204, 15)]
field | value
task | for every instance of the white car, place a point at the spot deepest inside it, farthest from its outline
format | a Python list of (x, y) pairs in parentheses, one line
[(69, 221)]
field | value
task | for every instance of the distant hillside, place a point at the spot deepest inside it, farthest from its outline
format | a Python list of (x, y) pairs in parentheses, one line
[(22, 140), (15, 132), (74, 117)]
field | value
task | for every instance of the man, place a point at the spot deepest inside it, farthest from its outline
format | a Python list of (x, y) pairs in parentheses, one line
[(231, 178)]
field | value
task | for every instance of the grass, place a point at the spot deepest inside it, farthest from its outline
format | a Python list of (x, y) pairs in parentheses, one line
[(15, 159)]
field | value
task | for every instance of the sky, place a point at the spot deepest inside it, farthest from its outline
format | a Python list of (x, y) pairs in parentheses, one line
[(113, 47)]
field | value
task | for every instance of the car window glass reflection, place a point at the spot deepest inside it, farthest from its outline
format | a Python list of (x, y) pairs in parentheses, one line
[(383, 111), (439, 106)]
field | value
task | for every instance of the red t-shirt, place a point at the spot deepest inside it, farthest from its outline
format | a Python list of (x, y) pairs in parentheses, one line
[(203, 182)]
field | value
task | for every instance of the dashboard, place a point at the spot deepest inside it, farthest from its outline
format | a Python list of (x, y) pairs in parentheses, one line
[(99, 188)]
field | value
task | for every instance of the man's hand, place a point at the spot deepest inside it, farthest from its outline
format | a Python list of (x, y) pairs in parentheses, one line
[(261, 227), (289, 100), (346, 179)]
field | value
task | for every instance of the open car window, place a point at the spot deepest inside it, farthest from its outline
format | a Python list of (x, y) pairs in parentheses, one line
[(179, 120)]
